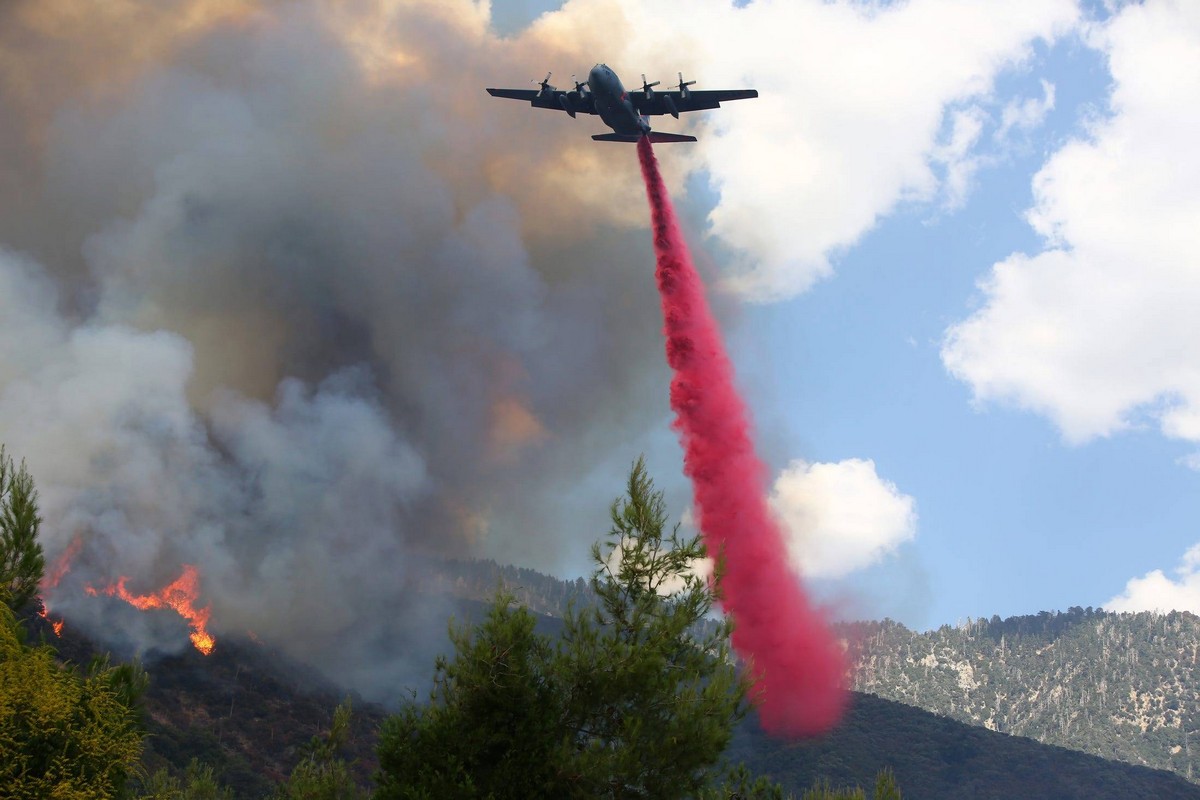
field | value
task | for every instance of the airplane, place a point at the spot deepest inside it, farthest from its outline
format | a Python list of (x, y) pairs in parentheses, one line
[(627, 113)]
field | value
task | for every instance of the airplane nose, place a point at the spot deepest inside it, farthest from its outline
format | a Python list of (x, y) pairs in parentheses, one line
[(595, 75)]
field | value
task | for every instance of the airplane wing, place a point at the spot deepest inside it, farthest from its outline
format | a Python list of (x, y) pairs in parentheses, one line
[(662, 102), (571, 102)]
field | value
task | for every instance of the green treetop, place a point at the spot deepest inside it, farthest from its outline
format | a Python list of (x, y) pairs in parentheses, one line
[(21, 559), (629, 702)]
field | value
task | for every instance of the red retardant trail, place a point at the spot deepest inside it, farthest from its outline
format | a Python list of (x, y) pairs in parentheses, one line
[(797, 664)]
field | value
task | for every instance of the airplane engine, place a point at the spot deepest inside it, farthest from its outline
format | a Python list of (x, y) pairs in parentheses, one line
[(684, 91)]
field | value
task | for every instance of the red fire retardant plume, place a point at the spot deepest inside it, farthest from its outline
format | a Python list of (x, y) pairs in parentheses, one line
[(797, 664)]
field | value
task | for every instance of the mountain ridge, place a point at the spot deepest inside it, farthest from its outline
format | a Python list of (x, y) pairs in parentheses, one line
[(1123, 686), (1117, 685), (248, 710)]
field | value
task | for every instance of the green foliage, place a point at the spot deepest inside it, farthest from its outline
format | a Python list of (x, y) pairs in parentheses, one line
[(490, 728), (885, 786), (936, 758), (323, 774), (741, 784), (823, 791), (198, 783), (631, 701), (126, 681), (62, 735), (885, 789), (653, 705), (21, 560)]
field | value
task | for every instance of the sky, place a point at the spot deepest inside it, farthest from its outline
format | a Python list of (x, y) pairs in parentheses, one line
[(980, 451), (286, 295)]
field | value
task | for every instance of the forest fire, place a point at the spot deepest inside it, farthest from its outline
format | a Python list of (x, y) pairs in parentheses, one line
[(62, 565), (179, 596), (55, 625)]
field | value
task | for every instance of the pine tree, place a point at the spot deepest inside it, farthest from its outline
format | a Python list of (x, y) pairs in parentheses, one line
[(886, 787), (631, 701), (199, 782), (21, 560), (322, 773)]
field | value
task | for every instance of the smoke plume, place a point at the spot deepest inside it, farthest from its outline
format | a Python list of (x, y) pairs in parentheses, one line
[(283, 295), (797, 663)]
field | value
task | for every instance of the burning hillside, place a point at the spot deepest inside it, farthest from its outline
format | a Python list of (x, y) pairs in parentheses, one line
[(179, 596)]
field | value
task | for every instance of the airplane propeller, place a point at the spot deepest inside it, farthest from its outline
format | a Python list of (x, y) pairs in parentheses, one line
[(683, 90), (646, 87), (545, 84), (581, 86)]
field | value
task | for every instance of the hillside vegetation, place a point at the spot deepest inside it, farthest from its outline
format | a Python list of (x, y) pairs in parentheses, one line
[(1121, 686), (936, 758), (619, 689)]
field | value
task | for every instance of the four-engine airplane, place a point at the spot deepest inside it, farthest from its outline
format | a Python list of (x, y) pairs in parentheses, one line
[(627, 113)]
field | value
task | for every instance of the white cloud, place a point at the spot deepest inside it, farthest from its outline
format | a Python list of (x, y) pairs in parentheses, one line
[(840, 517), (852, 100), (1191, 461), (1154, 591), (955, 155), (1027, 114), (1099, 331)]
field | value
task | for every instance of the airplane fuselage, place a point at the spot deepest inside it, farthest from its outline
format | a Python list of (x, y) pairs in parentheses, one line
[(627, 113), (612, 102)]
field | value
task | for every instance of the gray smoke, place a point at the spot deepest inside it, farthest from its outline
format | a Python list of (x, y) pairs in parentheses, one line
[(285, 295)]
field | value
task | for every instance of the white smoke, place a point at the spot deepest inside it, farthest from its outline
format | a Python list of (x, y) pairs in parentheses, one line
[(294, 306), (298, 299), (286, 506)]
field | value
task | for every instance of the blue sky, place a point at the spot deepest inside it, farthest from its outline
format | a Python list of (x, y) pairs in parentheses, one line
[(1012, 517)]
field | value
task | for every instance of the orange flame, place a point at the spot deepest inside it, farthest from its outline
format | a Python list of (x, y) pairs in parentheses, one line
[(55, 625), (62, 565), (179, 596)]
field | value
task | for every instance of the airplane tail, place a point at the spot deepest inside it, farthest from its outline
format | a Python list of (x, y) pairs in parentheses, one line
[(653, 136)]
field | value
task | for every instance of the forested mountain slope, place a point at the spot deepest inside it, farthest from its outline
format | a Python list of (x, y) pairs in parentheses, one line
[(936, 758), (1120, 686), (248, 712)]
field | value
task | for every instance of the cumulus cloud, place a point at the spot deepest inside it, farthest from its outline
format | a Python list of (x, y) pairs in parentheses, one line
[(1098, 330), (840, 517), (852, 102), (1191, 461), (1154, 591), (1026, 114), (955, 154)]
